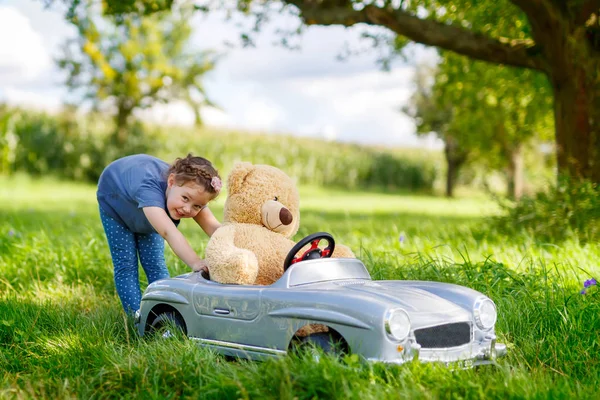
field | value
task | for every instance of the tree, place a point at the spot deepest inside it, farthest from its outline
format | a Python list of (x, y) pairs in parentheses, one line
[(497, 109), (433, 114), (482, 113), (560, 38), (134, 62)]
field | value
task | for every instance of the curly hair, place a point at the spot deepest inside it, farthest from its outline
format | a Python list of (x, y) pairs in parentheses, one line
[(198, 170)]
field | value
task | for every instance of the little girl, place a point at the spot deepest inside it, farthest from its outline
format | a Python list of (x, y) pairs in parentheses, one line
[(142, 200)]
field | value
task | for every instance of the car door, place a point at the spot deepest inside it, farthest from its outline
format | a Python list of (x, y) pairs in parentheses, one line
[(227, 312)]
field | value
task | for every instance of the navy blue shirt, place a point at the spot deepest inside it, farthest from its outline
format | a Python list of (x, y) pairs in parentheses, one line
[(130, 183)]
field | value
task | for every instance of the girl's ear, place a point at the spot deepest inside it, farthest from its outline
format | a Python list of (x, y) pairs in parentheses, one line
[(238, 176), (171, 180)]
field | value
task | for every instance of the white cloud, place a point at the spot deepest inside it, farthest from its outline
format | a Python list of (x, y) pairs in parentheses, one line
[(308, 92), (38, 100), (175, 113), (360, 94), (179, 113), (215, 117), (349, 108), (266, 88), (329, 132), (261, 115), (23, 56), (269, 61)]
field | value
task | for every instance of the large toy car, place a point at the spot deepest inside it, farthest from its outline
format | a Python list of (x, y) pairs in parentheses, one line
[(387, 321)]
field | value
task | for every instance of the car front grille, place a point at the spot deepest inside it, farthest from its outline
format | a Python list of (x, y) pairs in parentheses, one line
[(442, 336)]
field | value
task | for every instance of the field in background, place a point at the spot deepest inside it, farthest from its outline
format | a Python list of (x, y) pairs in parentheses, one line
[(62, 334), (78, 147)]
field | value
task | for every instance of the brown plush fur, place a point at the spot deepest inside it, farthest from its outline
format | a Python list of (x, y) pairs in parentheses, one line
[(244, 250)]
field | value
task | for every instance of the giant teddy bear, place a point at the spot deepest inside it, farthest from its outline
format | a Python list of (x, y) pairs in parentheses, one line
[(261, 214)]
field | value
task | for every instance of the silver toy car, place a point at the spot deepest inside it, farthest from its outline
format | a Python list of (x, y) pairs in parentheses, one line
[(386, 321)]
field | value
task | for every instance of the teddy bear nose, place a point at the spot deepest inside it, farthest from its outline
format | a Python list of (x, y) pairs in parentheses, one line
[(285, 216)]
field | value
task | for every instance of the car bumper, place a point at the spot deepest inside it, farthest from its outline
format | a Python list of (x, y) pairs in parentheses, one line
[(467, 356)]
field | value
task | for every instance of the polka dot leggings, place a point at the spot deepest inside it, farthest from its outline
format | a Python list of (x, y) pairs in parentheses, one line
[(125, 247)]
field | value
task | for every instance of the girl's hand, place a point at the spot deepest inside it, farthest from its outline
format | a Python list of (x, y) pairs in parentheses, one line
[(200, 266)]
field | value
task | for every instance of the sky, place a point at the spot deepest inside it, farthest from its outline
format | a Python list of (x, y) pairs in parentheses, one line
[(266, 88)]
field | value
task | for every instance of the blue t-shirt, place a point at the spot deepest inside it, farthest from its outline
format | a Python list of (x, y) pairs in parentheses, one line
[(130, 183)]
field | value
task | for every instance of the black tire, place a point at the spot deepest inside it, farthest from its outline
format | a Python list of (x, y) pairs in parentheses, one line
[(324, 341), (168, 324)]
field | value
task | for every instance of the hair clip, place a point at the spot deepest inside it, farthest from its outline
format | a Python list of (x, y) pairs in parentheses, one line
[(215, 182)]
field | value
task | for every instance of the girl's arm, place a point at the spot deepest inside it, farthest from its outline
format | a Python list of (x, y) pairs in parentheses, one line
[(161, 222), (207, 221)]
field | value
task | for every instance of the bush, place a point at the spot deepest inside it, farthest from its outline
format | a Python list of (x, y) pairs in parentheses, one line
[(310, 161), (79, 147), (567, 209), (67, 145)]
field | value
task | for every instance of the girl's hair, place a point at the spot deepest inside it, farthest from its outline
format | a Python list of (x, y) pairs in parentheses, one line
[(198, 170)]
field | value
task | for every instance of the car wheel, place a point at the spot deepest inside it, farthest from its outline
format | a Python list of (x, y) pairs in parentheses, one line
[(168, 324), (324, 341)]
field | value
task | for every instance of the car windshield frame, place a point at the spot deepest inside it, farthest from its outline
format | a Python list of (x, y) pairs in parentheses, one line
[(323, 270)]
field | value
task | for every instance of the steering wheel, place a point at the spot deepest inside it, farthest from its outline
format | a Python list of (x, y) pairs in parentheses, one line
[(313, 252)]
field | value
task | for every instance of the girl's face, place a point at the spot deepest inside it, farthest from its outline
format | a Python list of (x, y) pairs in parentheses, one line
[(187, 200)]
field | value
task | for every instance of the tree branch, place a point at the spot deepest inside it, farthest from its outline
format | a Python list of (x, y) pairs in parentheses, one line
[(544, 17), (532, 7), (537, 11), (518, 53), (585, 11)]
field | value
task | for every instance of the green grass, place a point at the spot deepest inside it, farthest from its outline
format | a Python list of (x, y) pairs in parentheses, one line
[(63, 335)]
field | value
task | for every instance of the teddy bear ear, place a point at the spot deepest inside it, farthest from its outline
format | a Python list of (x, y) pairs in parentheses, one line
[(238, 175)]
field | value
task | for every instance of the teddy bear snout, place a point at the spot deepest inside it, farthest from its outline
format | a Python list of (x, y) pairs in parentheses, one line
[(275, 216), (285, 216)]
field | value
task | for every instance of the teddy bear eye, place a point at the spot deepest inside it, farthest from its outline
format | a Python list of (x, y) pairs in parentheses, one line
[(276, 198)]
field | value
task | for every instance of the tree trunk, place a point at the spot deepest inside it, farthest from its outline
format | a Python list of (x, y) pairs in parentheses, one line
[(451, 177), (122, 124), (575, 78), (197, 117), (455, 158), (515, 173)]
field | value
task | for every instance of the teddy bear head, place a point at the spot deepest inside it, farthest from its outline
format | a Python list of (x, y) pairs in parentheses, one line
[(262, 195)]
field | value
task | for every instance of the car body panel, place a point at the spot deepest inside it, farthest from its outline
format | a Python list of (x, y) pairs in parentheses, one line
[(261, 321), (167, 297)]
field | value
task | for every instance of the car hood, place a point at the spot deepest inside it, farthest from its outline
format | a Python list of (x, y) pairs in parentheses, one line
[(423, 307)]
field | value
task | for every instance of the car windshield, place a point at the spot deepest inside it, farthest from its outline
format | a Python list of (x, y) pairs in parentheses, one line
[(327, 269)]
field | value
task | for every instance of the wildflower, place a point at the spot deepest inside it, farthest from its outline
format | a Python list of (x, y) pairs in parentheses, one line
[(11, 233), (402, 238), (589, 282)]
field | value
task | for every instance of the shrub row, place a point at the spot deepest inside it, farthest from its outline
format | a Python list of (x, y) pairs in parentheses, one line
[(569, 209), (78, 147)]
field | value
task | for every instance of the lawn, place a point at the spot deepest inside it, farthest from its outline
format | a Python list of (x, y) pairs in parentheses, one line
[(63, 335)]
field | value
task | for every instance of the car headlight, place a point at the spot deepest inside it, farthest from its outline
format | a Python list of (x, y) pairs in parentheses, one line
[(485, 313), (397, 324)]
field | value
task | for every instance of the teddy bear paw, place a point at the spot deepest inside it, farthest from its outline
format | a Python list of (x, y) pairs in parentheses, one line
[(310, 329), (240, 267)]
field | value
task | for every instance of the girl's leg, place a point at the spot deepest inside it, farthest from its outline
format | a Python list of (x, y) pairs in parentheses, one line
[(121, 242), (151, 249)]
